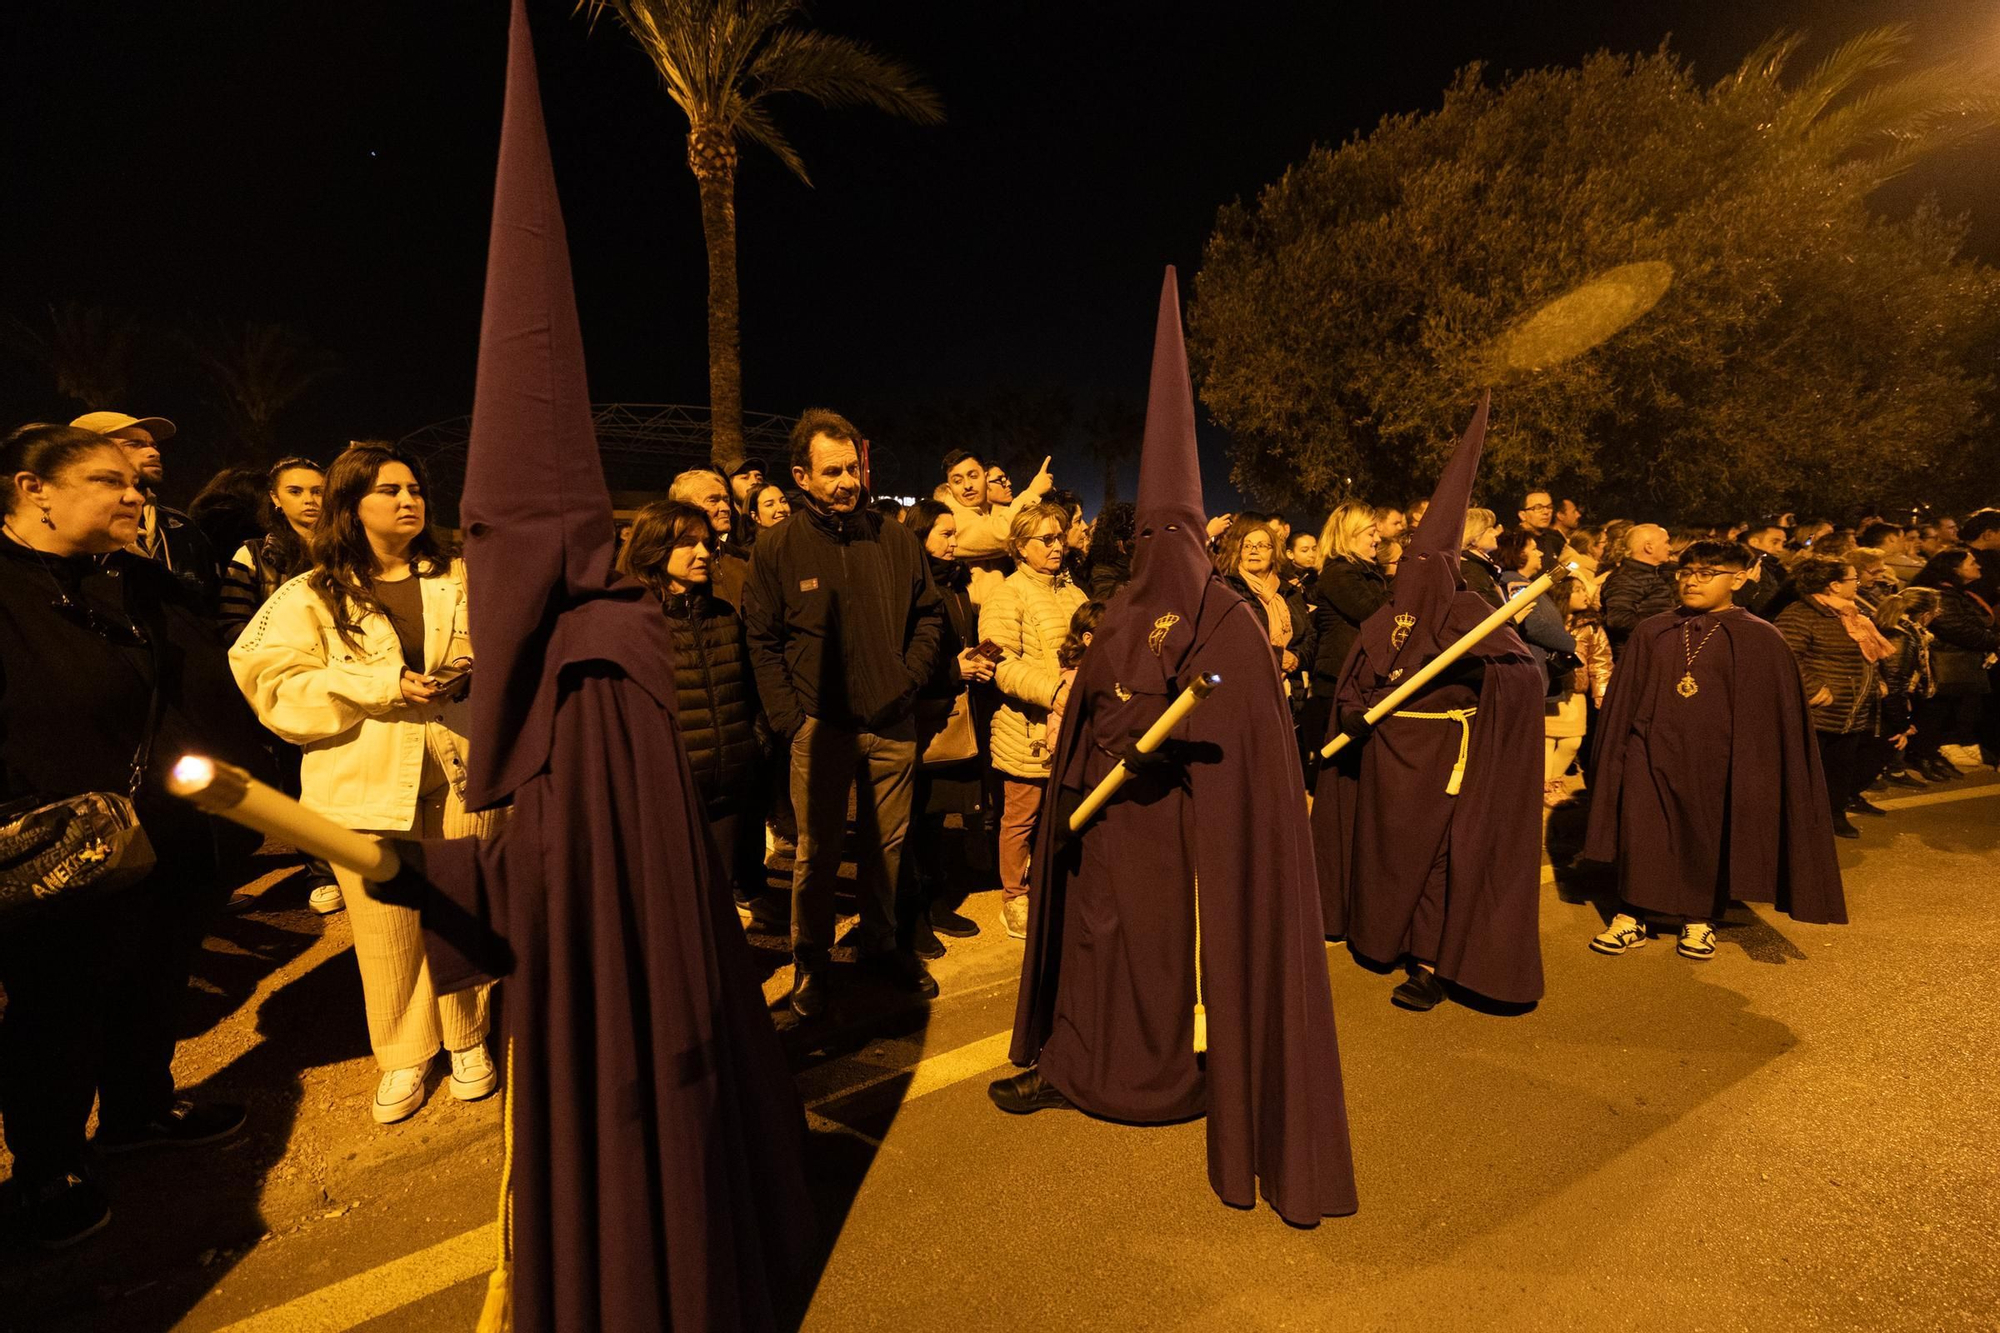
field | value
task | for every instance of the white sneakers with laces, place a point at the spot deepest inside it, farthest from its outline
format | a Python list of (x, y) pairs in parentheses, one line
[(1697, 940), (326, 899), (472, 1073), (400, 1094), (1623, 934)]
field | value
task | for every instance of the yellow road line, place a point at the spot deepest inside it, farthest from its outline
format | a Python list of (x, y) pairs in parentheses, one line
[(1939, 797), (379, 1291)]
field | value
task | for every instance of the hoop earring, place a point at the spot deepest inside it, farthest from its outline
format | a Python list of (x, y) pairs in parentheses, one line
[(48, 522)]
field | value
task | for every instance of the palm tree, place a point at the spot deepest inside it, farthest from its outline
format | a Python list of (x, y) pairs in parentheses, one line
[(258, 371), (1842, 116), (87, 350), (723, 63)]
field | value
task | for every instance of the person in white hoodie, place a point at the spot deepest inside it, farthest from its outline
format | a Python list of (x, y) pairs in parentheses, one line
[(364, 663)]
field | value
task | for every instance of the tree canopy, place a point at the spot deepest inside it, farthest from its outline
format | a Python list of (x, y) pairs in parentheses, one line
[(1809, 353)]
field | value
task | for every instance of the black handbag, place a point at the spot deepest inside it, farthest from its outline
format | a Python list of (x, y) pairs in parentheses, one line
[(77, 847), (1958, 672)]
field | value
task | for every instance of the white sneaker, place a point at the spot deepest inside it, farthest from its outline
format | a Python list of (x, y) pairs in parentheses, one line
[(400, 1094), (472, 1073), (326, 899), (1697, 940), (1622, 934), (1014, 912)]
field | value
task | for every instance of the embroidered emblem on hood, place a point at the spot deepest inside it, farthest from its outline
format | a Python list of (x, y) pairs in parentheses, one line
[(1157, 640), (1401, 634)]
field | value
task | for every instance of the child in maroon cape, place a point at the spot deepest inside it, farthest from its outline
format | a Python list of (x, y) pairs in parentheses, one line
[(1707, 782)]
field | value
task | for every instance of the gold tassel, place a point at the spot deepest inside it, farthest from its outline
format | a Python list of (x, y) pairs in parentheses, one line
[(1200, 1010), (497, 1315)]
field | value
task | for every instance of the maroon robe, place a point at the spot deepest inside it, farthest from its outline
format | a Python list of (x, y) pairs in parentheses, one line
[(658, 1139), (1405, 869), (1717, 795), (1108, 983)]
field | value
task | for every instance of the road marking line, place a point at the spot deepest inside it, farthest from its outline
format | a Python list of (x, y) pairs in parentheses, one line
[(379, 1291), (1939, 797), (934, 1073)]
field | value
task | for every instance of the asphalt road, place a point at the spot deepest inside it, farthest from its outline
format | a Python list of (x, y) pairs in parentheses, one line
[(1797, 1134)]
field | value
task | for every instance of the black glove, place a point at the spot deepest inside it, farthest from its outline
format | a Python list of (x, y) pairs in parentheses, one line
[(1067, 800), (408, 887), (1356, 727)]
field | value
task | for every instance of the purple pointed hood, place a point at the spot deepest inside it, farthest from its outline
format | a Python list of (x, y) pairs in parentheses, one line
[(536, 510), (1152, 624), (1427, 579)]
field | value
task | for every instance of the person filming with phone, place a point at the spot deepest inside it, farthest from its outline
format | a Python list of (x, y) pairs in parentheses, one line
[(365, 662)]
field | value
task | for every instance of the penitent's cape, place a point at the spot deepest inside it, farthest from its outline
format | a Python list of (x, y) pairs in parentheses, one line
[(1108, 983), (1405, 868), (657, 1154), (1718, 794)]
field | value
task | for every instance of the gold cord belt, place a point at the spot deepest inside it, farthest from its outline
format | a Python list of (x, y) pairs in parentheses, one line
[(1462, 716)]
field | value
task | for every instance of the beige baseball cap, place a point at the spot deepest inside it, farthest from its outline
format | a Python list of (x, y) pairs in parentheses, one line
[(110, 423)]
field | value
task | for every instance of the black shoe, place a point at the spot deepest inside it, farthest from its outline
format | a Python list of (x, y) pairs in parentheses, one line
[(1940, 769), (1026, 1093), (905, 971), (947, 922), (1903, 777), (1421, 992), (766, 915), (1861, 805), (811, 992), (66, 1210), (186, 1125), (925, 941), (1843, 829)]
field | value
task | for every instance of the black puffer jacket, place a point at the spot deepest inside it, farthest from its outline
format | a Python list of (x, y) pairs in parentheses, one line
[(1347, 593), (717, 696), (1635, 591)]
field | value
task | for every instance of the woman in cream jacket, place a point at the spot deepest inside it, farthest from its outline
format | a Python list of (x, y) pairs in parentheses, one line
[(1028, 617), (360, 663)]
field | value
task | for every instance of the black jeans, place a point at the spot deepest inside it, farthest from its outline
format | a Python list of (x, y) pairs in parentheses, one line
[(94, 999), (1840, 756)]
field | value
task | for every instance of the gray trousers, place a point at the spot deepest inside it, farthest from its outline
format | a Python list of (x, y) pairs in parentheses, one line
[(828, 762)]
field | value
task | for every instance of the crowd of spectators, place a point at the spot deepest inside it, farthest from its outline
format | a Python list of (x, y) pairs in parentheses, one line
[(857, 681)]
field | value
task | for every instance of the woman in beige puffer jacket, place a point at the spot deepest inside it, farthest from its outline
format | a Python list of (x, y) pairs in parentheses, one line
[(1027, 617)]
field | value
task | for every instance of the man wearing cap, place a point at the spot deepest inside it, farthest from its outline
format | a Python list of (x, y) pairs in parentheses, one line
[(166, 535), (745, 480)]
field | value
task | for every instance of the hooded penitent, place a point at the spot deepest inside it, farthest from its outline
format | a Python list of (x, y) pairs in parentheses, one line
[(1428, 833), (1108, 985), (656, 1158)]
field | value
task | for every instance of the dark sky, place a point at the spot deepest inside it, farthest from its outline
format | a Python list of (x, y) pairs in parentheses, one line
[(331, 166)]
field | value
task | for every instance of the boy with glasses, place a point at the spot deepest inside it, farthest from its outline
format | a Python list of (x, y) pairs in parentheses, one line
[(1707, 783)]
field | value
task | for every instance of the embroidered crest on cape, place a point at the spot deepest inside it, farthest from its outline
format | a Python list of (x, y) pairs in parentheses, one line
[(1401, 634), (1157, 640)]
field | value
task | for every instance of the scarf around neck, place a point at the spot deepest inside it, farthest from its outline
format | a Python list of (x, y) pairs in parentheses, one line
[(1859, 627)]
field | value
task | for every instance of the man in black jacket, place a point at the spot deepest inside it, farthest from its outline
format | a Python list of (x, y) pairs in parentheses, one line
[(1770, 580), (844, 627), (1641, 586)]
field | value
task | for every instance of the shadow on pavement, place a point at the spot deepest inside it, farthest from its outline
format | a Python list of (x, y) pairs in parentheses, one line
[(180, 1218)]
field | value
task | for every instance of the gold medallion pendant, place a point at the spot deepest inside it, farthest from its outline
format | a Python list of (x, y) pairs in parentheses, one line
[(1687, 688)]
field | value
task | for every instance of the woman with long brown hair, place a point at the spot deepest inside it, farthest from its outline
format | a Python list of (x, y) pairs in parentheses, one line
[(362, 662)]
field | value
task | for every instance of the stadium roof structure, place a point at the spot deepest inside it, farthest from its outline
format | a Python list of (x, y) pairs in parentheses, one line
[(643, 446)]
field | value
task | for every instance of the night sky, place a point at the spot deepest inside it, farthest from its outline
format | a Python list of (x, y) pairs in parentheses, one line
[(331, 167)]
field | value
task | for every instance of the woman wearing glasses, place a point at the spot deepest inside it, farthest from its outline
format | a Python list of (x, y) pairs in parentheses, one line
[(362, 663), (1027, 617), (100, 650)]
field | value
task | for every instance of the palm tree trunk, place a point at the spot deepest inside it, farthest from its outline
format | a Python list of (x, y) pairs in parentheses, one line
[(712, 158)]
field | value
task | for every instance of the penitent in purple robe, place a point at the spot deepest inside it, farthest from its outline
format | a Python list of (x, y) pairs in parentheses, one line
[(1716, 794), (1405, 868), (1108, 984), (658, 1139)]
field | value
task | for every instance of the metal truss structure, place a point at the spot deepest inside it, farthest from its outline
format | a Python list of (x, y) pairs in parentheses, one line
[(643, 446)]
